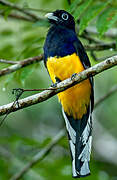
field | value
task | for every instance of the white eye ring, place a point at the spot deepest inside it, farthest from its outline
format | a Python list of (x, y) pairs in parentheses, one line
[(65, 16)]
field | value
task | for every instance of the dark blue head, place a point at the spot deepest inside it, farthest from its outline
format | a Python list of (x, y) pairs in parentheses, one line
[(61, 17), (61, 35)]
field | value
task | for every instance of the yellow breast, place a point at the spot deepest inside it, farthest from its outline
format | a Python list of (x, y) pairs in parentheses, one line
[(76, 99)]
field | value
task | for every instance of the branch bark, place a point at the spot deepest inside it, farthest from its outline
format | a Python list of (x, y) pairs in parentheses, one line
[(8, 155), (111, 91), (111, 33), (18, 17), (101, 47), (104, 143), (20, 64), (40, 155), (8, 62), (40, 97), (20, 9)]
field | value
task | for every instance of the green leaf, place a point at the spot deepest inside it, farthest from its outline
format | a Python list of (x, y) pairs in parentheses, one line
[(8, 79), (7, 12), (91, 13), (74, 5), (80, 9), (106, 20), (25, 5), (26, 72)]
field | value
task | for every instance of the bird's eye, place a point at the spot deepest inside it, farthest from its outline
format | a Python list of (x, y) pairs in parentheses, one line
[(65, 16)]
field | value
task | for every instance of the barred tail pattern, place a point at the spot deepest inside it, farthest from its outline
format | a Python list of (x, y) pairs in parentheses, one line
[(80, 140)]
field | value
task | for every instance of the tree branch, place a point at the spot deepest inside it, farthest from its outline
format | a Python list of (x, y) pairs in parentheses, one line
[(40, 155), (17, 16), (8, 62), (104, 143), (20, 64), (4, 152), (38, 10), (111, 33), (100, 47), (101, 58), (32, 18), (40, 97), (18, 8), (111, 91), (91, 39)]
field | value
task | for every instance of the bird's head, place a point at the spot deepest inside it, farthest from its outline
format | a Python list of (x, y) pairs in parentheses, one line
[(61, 17)]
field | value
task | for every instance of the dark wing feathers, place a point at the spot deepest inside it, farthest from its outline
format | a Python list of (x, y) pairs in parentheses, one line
[(86, 63), (79, 131)]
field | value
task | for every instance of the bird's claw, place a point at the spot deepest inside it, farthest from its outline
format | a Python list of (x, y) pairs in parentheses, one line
[(54, 85), (73, 76)]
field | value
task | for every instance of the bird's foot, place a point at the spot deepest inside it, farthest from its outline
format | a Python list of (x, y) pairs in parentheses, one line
[(73, 76), (54, 85)]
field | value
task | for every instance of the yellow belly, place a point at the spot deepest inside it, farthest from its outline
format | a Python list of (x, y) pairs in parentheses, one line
[(76, 99)]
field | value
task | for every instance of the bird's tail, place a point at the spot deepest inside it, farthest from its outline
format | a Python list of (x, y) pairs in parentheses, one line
[(79, 134)]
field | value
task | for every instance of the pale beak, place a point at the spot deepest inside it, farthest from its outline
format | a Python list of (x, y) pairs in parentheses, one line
[(51, 16)]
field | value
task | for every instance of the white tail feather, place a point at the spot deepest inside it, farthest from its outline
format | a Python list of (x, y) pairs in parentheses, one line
[(86, 140)]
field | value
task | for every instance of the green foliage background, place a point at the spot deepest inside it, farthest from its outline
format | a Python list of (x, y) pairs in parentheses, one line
[(28, 131)]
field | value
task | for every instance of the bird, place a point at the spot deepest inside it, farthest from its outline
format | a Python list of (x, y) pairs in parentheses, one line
[(64, 57)]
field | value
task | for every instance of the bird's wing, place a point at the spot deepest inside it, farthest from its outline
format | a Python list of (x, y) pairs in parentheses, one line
[(86, 63), (79, 131)]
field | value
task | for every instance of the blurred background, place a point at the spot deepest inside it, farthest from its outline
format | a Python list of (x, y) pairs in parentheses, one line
[(26, 132)]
